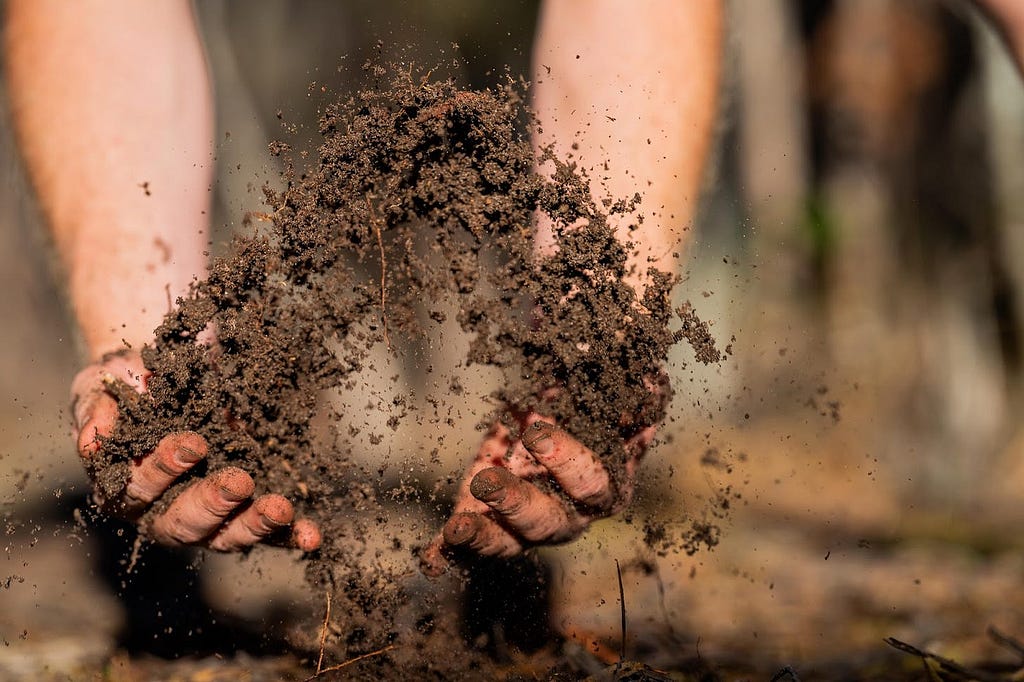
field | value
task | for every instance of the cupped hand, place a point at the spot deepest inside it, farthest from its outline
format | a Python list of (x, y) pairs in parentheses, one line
[(500, 509), (217, 511)]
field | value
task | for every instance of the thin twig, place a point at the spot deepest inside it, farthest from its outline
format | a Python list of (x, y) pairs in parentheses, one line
[(785, 672), (622, 612), (946, 666), (1006, 641), (383, 270), (350, 661), (323, 634)]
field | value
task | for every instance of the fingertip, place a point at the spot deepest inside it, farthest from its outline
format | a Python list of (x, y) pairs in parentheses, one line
[(461, 528), (538, 437), (234, 485), (88, 442), (277, 510), (433, 562), (306, 535), (189, 448), (489, 485)]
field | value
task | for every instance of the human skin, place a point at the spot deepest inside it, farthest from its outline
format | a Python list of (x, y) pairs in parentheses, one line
[(629, 92), (1008, 17), (113, 113)]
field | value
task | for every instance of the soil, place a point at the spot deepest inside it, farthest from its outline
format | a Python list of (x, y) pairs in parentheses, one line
[(423, 194)]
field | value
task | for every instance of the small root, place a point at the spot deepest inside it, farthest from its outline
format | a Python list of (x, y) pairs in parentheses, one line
[(323, 635), (383, 271), (350, 661)]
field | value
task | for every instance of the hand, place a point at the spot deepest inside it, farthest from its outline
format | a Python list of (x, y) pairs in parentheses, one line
[(216, 511), (499, 511)]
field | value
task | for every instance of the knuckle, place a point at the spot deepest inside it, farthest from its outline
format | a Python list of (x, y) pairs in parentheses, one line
[(169, 533), (593, 491), (137, 495), (220, 543), (514, 504), (166, 466)]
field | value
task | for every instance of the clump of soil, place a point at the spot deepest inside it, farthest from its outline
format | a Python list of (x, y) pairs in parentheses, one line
[(423, 193)]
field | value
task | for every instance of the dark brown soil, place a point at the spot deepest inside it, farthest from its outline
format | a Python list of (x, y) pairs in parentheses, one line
[(422, 194)]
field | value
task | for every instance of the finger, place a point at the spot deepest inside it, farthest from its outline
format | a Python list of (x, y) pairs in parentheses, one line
[(523, 507), (200, 510), (571, 463), (306, 535), (257, 521), (97, 423), (480, 534), (638, 444), (151, 476), (92, 382), (433, 562)]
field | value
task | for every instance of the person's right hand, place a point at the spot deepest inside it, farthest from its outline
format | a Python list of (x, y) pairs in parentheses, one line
[(217, 511)]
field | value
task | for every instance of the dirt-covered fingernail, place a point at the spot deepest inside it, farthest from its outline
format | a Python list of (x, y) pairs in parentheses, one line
[(235, 484), (232, 495), (271, 522), (186, 456), (537, 438), (461, 528), (490, 485), (275, 510)]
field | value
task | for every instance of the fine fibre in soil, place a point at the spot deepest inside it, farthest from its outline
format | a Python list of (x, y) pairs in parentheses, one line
[(423, 192)]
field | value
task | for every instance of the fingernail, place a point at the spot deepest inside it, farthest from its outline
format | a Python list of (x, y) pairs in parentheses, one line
[(489, 485), (232, 495), (186, 456), (271, 522), (460, 529), (538, 437)]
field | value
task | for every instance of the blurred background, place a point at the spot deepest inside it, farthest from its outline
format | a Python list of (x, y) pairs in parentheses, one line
[(862, 238)]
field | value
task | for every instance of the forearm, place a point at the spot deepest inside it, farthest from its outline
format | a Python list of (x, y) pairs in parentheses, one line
[(1008, 16), (635, 85), (112, 108)]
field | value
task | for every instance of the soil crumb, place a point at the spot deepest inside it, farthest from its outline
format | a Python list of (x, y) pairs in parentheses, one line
[(423, 193)]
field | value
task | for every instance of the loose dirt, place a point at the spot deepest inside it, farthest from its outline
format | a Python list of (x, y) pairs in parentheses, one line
[(423, 193)]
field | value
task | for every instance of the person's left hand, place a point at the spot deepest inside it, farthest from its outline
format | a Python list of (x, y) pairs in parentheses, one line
[(218, 511), (499, 511)]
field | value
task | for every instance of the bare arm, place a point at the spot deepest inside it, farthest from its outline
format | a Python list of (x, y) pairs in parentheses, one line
[(113, 111), (1008, 17), (112, 106), (635, 86)]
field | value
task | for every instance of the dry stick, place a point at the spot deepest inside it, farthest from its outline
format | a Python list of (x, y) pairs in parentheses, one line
[(383, 270), (136, 551), (946, 665), (1006, 641), (622, 611), (350, 661), (323, 634)]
